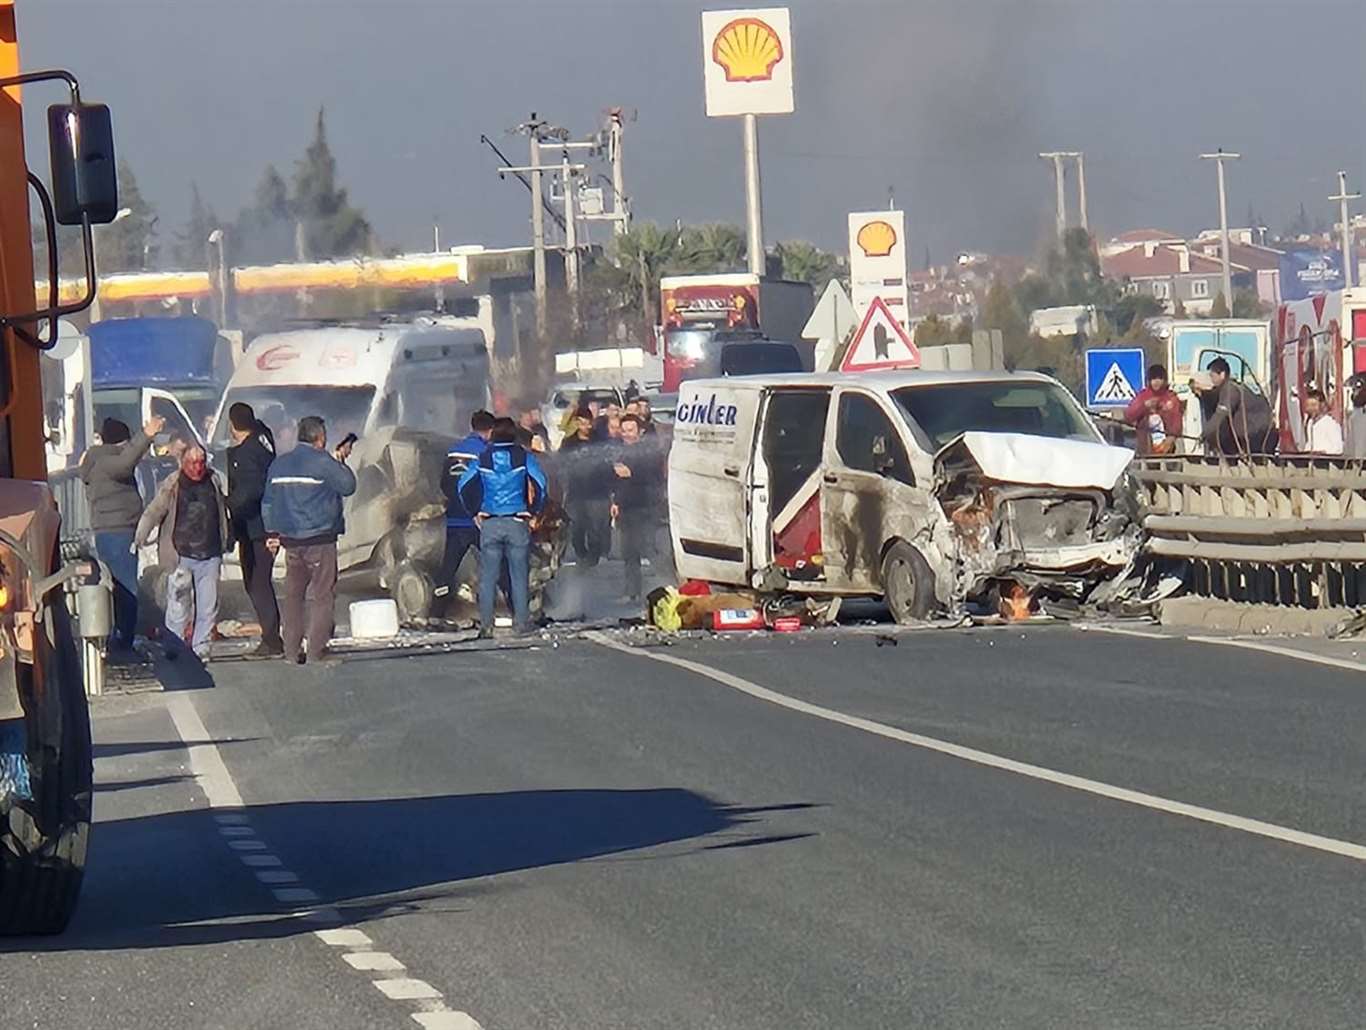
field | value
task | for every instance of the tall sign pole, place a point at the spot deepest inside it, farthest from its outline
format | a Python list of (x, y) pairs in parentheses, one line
[(1219, 157), (1348, 272), (747, 71)]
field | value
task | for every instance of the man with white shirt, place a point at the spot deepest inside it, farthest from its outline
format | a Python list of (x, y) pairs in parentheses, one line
[(1322, 434)]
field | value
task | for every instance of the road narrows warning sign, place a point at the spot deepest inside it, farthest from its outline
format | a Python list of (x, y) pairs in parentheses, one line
[(880, 343)]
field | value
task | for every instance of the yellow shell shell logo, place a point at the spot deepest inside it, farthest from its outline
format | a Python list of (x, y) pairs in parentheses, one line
[(876, 239), (748, 49)]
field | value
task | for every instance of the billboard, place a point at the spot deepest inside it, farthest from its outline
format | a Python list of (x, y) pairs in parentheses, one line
[(1306, 272), (747, 61)]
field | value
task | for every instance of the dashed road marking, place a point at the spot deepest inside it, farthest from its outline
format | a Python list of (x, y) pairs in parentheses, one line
[(1285, 834), (373, 962), (406, 989), (234, 825)]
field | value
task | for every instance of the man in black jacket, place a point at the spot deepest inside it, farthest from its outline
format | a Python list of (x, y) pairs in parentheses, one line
[(248, 466), (638, 468)]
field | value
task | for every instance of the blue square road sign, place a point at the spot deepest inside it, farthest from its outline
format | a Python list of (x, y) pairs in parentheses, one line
[(1113, 377)]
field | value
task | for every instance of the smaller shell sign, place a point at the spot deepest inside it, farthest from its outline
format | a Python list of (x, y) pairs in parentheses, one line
[(747, 61), (877, 261)]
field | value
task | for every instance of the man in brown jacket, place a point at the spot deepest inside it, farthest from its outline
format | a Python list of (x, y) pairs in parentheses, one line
[(190, 515)]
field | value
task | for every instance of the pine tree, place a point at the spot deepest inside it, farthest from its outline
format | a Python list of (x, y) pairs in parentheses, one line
[(332, 227), (264, 232), (191, 243), (130, 243)]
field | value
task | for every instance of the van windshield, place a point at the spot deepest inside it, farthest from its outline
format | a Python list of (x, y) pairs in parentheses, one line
[(343, 408), (945, 411)]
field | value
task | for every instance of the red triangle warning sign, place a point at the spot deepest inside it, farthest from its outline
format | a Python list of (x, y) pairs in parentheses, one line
[(880, 342)]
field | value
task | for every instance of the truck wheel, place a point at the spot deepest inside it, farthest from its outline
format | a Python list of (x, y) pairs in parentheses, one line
[(43, 841), (907, 584), (413, 592)]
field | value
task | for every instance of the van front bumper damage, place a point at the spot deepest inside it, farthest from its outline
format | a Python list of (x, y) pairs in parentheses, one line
[(1068, 533)]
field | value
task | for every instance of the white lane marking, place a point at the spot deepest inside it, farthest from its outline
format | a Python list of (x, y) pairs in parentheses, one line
[(406, 989), (277, 876), (1285, 834), (345, 938), (1285, 652), (212, 775), (445, 1021), (373, 962), (1249, 645), (205, 761)]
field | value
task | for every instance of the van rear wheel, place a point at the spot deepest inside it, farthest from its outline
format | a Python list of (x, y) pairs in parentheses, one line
[(907, 584)]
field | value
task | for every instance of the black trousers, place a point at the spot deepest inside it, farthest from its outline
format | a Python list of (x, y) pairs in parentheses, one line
[(459, 540), (636, 530), (258, 567), (590, 529)]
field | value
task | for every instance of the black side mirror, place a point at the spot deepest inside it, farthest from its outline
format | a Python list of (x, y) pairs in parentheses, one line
[(81, 148)]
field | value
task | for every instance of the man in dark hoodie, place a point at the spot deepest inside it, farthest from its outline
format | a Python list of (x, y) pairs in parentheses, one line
[(111, 492), (249, 461)]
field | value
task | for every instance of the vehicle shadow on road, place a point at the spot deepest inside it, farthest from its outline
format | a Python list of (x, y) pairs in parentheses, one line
[(171, 880)]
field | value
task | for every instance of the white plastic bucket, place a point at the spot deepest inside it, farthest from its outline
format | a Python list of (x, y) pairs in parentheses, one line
[(371, 619)]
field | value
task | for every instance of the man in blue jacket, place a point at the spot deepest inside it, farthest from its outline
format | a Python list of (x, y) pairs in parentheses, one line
[(504, 489), (461, 532), (302, 511)]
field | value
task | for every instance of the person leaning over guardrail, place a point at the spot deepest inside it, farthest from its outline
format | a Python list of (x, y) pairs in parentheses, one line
[(108, 470), (1241, 421), (1155, 414), (1322, 434)]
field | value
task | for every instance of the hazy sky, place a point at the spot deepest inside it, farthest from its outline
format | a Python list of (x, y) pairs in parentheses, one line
[(947, 101)]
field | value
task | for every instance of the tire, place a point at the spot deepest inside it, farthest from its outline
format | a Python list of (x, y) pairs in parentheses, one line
[(43, 842), (413, 592), (907, 584)]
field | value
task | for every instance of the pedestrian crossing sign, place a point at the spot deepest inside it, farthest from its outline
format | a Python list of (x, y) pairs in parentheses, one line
[(1113, 377)]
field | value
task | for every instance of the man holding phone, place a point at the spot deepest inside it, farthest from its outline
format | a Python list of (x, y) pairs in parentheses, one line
[(302, 512)]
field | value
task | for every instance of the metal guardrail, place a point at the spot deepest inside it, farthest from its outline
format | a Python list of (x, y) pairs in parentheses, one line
[(1261, 529), (69, 492)]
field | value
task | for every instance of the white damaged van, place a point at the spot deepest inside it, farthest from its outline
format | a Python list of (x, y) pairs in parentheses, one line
[(928, 489)]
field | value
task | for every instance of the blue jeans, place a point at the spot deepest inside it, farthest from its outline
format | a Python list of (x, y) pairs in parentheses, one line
[(203, 574), (114, 547), (501, 538)]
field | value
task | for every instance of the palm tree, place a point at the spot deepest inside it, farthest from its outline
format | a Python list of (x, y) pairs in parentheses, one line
[(807, 263)]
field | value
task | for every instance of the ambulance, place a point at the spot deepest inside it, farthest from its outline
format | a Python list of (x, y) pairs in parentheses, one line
[(1319, 343), (931, 490)]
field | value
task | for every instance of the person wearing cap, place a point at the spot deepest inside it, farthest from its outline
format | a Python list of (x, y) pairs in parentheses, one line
[(1155, 413), (1322, 434), (108, 471), (1355, 442)]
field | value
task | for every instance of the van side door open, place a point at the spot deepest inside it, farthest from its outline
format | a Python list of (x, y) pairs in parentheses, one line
[(710, 475), (787, 497), (869, 492)]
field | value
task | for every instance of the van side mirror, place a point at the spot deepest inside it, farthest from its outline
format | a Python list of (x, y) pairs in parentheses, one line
[(81, 149)]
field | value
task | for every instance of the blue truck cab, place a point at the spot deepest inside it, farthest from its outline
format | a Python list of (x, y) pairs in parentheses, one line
[(136, 362)]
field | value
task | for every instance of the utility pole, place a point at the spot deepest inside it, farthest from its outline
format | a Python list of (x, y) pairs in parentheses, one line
[(1348, 273), (1219, 157), (436, 249), (620, 206), (571, 237), (754, 215), (1056, 157), (1081, 190), (533, 128)]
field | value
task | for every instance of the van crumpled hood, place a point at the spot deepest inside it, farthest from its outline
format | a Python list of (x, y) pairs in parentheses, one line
[(1040, 460)]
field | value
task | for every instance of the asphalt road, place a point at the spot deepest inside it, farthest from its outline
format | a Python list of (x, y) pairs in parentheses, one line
[(578, 837)]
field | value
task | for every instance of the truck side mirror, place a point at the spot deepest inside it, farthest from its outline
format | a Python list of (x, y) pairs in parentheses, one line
[(81, 148)]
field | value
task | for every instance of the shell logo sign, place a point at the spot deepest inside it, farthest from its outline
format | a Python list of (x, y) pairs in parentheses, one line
[(747, 49), (747, 61), (876, 239)]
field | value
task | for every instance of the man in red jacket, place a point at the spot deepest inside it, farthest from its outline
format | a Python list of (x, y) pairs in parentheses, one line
[(1156, 414)]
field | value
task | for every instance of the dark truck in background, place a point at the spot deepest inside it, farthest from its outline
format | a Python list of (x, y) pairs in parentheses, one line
[(733, 324)]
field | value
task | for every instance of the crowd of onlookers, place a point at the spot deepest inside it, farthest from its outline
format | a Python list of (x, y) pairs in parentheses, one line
[(607, 475)]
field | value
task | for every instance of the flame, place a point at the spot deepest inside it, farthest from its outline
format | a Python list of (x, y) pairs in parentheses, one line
[(876, 239), (748, 49), (1015, 601)]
